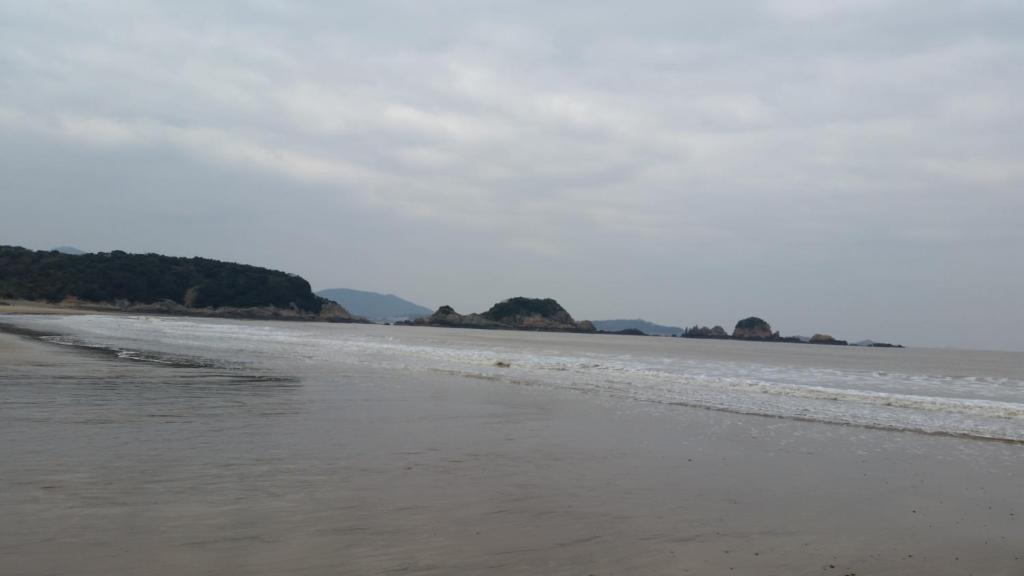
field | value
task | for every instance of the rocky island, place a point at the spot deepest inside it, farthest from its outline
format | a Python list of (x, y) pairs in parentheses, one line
[(519, 313), (751, 328), (826, 339), (754, 329)]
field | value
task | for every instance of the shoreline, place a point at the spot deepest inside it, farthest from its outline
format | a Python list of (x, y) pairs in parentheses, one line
[(37, 308), (32, 308)]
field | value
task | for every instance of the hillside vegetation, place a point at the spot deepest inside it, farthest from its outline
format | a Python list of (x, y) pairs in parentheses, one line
[(149, 278), (540, 314), (515, 309)]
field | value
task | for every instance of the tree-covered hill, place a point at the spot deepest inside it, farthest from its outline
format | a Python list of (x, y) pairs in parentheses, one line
[(148, 278), (539, 314), (519, 307)]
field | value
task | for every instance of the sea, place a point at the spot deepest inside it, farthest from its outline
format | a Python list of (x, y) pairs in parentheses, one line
[(975, 394)]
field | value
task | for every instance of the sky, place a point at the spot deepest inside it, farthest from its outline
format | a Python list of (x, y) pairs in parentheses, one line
[(851, 167)]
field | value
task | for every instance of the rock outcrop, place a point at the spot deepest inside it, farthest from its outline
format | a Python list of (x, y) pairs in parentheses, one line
[(756, 329), (447, 317), (334, 312), (705, 332), (519, 313), (753, 328)]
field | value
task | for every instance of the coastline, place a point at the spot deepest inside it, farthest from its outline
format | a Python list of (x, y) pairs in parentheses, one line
[(9, 307), (33, 307)]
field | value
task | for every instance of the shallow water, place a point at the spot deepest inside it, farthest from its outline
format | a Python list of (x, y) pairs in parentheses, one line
[(970, 393)]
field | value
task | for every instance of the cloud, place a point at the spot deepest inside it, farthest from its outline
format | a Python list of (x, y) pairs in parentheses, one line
[(101, 131), (675, 139), (217, 146), (812, 10)]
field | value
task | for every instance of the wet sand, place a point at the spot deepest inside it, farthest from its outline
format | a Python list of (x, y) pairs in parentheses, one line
[(120, 467)]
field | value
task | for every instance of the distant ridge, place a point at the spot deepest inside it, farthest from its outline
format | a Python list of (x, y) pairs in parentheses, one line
[(375, 306), (69, 250), (649, 328)]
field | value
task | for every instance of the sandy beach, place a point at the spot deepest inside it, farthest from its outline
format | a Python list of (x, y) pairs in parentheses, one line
[(40, 308), (8, 307), (121, 467)]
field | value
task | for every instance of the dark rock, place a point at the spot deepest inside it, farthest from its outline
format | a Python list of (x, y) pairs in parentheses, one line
[(705, 332), (753, 328)]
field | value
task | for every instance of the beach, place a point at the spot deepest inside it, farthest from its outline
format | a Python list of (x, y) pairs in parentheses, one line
[(13, 307), (156, 459)]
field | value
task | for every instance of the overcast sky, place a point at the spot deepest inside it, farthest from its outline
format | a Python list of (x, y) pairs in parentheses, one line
[(854, 167)]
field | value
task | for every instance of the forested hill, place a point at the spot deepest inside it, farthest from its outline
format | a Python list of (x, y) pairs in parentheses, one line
[(149, 278)]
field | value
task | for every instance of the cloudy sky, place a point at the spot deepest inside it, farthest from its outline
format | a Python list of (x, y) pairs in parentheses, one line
[(853, 167)]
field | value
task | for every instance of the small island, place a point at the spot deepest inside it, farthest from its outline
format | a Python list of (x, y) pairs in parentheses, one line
[(755, 329), (519, 313)]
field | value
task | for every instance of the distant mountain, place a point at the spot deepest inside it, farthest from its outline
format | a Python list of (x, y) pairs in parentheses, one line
[(649, 328), (69, 250), (375, 306)]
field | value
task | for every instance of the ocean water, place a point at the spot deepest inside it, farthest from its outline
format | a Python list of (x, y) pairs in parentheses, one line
[(948, 392)]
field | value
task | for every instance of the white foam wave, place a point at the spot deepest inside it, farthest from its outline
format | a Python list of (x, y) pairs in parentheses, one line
[(983, 406)]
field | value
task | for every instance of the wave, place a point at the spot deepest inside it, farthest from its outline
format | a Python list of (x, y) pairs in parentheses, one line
[(981, 419), (904, 398), (786, 392), (127, 354)]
